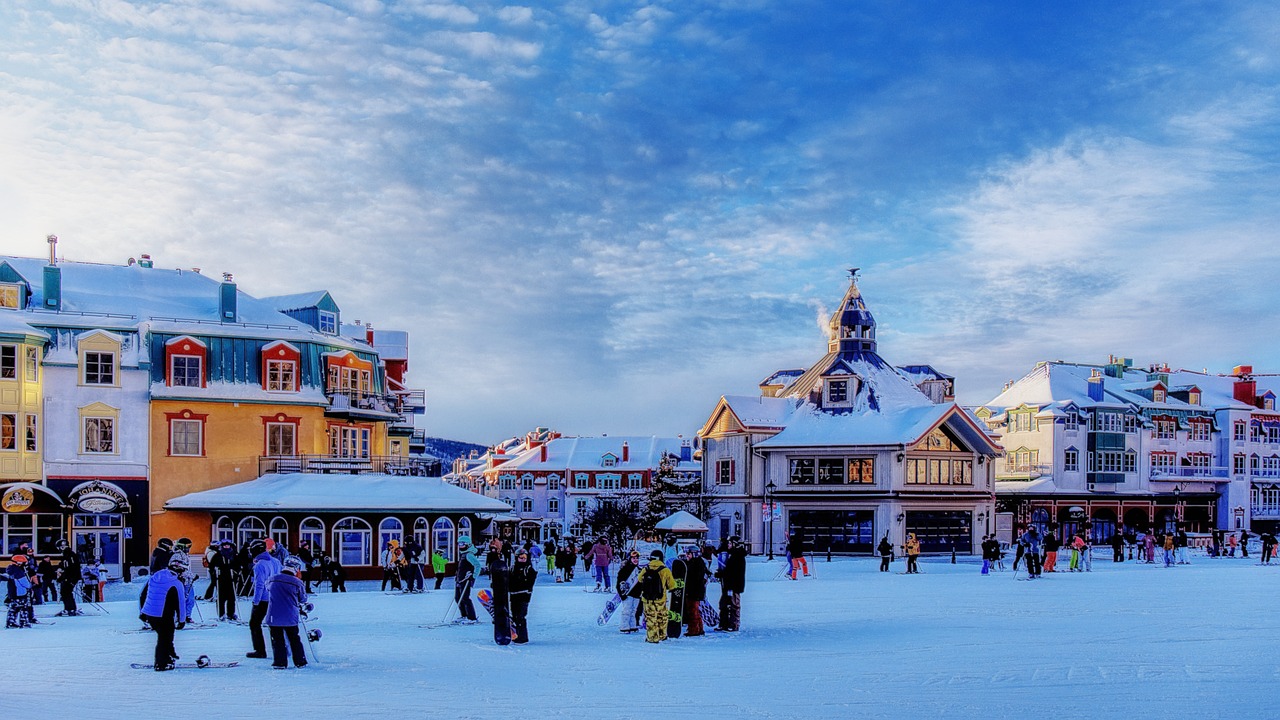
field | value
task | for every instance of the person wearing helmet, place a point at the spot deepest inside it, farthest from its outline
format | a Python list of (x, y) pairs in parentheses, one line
[(19, 615), (165, 608), (161, 554), (464, 577), (265, 567), (68, 576), (286, 594), (223, 567), (733, 580), (655, 581)]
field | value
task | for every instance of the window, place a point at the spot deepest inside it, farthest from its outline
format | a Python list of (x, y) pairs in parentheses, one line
[(940, 471), (507, 481), (390, 529), (724, 471), (11, 296), (608, 461), (282, 439), (186, 370), (33, 364), (99, 435), (608, 481), (1162, 462), (311, 531), (348, 441), (581, 504), (553, 505), (223, 529), (1158, 395), (99, 368), (422, 534), (328, 322), (635, 481), (1071, 460), (1165, 429), (8, 431), (1108, 422), (553, 482), (282, 376), (280, 531), (862, 470), (802, 471), (579, 481), (1199, 430), (442, 538), (526, 481), (8, 362), (526, 505), (41, 531), (31, 423), (1130, 461), (1237, 464), (1022, 422), (185, 437), (1193, 397), (830, 471), (1238, 431), (1071, 422), (353, 542), (1198, 460), (250, 528), (837, 391)]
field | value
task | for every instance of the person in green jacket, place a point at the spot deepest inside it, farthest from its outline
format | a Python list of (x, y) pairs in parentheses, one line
[(438, 564)]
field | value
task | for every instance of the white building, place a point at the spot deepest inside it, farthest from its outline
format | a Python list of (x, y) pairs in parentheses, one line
[(848, 451)]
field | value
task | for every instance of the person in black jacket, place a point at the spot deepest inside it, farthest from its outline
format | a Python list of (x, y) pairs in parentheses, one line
[(223, 566), (695, 591), (68, 575), (627, 588), (161, 554), (500, 586), (733, 580), (796, 548), (523, 577), (885, 548)]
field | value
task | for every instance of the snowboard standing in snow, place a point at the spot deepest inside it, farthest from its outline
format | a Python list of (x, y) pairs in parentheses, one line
[(618, 597), (499, 605), (680, 571)]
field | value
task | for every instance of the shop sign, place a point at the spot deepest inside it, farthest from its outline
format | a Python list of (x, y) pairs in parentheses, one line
[(97, 498), (17, 499)]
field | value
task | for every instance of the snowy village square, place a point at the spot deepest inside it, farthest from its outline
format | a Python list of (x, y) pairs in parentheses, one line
[(639, 358)]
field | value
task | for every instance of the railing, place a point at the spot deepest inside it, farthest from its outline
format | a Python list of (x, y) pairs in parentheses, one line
[(346, 399), (1268, 473), (1220, 473), (1023, 471), (1268, 510), (328, 464), (412, 401)]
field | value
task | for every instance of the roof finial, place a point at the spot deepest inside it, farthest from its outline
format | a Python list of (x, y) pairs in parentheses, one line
[(853, 273)]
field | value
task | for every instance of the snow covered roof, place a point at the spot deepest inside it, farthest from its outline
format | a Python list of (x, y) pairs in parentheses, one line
[(318, 492), (783, 377), (681, 521), (811, 427), (883, 386), (296, 301), (760, 411), (588, 453), (13, 323)]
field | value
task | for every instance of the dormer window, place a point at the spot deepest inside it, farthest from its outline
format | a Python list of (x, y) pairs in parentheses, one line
[(837, 391), (328, 322), (1268, 403), (1193, 397), (1158, 395), (609, 461), (11, 296), (186, 362)]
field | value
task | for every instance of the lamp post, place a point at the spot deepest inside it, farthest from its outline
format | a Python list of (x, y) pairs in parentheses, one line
[(768, 505), (1177, 505)]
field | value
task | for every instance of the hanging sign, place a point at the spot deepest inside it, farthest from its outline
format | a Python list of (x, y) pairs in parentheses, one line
[(98, 497), (17, 499)]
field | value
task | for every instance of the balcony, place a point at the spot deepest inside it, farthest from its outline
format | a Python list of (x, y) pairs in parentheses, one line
[(1265, 510), (1023, 471), (351, 404), (1267, 474), (1192, 473), (412, 402), (328, 464)]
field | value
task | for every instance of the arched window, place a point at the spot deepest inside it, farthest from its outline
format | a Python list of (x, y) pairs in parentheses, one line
[(422, 533), (250, 528), (464, 528), (224, 529), (312, 531), (442, 538), (1040, 518), (353, 541), (1104, 526), (390, 529), (280, 531)]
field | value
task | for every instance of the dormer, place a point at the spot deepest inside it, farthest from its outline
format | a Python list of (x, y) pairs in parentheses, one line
[(840, 389), (1267, 400), (608, 460), (1159, 393), (1189, 394), (15, 291), (316, 309), (185, 362)]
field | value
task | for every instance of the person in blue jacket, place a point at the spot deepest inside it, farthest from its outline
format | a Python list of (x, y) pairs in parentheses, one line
[(285, 595), (265, 567), (165, 608), (464, 577), (19, 615), (1031, 542)]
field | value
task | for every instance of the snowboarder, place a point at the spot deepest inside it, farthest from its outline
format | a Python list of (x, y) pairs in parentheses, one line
[(265, 567), (655, 582), (500, 587), (464, 576), (285, 595), (629, 591), (912, 549), (885, 548), (796, 548), (164, 610), (733, 581), (523, 577)]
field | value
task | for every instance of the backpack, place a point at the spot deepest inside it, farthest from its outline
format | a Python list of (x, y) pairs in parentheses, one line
[(651, 585)]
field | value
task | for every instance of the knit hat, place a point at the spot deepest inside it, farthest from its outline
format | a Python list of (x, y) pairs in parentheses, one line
[(179, 563), (20, 559), (656, 555), (464, 540)]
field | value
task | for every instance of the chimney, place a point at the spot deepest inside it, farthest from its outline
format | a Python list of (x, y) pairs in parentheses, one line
[(53, 249), (368, 333), (1245, 389), (1095, 386), (52, 286), (145, 261), (626, 452), (226, 299), (543, 452)]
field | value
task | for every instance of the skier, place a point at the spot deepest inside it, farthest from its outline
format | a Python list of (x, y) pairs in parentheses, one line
[(886, 553), (19, 615), (695, 591), (392, 564), (164, 610), (413, 559), (161, 554), (1030, 543), (988, 556), (796, 548), (1077, 550), (601, 556), (1180, 542), (89, 574), (46, 572), (308, 561), (733, 581), (1244, 542), (1051, 546), (68, 576), (500, 586), (265, 567), (1268, 547), (1168, 546), (1232, 542), (285, 595), (586, 555), (629, 608), (438, 566), (464, 576), (223, 567), (912, 549), (1117, 547), (523, 577), (210, 552), (655, 582), (1017, 556)]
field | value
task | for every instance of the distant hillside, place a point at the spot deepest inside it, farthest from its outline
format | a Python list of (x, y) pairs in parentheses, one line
[(447, 450)]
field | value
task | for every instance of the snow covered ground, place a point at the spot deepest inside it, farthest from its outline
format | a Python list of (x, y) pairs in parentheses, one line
[(1129, 640)]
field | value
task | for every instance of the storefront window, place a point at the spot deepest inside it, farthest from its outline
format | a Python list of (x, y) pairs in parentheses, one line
[(312, 531), (352, 542), (442, 538), (249, 529), (942, 531), (843, 531)]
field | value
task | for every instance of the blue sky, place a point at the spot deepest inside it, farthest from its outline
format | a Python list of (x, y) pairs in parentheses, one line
[(600, 217)]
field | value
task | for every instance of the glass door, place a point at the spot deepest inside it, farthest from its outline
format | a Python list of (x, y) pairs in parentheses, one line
[(100, 545)]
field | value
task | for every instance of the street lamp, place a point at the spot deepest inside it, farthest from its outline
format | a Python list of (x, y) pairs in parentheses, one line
[(1177, 504), (768, 507)]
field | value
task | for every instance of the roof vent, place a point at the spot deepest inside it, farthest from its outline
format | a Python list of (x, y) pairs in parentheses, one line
[(145, 261), (53, 249)]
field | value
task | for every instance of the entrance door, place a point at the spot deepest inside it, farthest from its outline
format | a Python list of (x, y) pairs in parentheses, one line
[(103, 545)]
